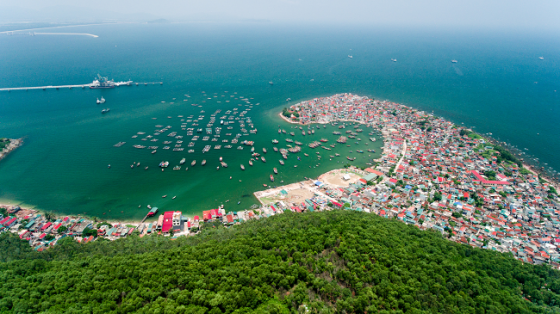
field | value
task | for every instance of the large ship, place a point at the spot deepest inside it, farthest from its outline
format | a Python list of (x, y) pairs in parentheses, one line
[(102, 82)]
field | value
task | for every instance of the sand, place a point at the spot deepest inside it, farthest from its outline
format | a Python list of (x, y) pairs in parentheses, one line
[(334, 178)]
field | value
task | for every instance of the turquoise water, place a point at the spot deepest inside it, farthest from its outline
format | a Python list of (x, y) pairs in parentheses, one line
[(499, 85)]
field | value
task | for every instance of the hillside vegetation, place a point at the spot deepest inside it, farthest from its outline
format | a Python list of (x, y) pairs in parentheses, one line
[(339, 261)]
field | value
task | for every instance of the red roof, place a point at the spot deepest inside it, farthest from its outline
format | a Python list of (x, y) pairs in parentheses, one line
[(45, 226), (378, 173), (484, 181), (167, 221)]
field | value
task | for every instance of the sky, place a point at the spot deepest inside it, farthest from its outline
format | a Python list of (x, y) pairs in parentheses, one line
[(534, 14)]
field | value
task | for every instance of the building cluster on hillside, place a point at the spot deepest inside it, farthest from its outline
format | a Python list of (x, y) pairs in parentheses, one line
[(440, 176), (431, 174)]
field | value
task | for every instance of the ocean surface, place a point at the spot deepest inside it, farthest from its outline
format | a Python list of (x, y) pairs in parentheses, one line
[(499, 85)]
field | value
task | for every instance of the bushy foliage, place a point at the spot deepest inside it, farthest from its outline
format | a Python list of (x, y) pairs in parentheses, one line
[(338, 261)]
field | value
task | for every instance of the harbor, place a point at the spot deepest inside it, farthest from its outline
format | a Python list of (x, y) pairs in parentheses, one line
[(400, 184)]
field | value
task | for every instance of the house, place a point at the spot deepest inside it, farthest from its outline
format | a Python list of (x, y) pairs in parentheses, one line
[(176, 219), (167, 223)]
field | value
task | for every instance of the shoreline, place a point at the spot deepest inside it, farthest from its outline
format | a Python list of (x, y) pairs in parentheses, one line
[(14, 144), (264, 193)]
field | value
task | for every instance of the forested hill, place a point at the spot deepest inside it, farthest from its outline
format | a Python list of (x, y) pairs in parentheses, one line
[(339, 261)]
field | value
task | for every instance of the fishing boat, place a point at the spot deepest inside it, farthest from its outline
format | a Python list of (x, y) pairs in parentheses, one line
[(275, 170), (372, 139), (281, 162), (164, 164), (264, 150), (193, 163), (105, 110), (224, 164), (303, 133), (100, 101), (164, 196), (177, 168), (274, 141), (279, 131), (275, 149), (203, 162), (242, 167), (250, 162), (306, 155), (174, 197), (221, 159), (292, 134), (146, 168), (272, 178), (262, 158), (182, 161)]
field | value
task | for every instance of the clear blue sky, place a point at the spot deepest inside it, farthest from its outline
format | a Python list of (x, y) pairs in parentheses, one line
[(540, 14)]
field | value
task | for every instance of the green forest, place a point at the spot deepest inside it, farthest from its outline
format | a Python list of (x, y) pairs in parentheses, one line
[(326, 262)]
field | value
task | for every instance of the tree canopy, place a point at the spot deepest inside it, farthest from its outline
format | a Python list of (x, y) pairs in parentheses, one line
[(337, 261)]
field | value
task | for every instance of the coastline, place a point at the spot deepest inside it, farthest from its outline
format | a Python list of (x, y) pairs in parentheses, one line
[(402, 185), (261, 193), (14, 144)]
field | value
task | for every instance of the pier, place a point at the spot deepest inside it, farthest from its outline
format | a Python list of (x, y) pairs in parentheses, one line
[(82, 86)]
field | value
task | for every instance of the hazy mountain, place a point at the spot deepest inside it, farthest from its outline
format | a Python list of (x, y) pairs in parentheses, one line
[(64, 13)]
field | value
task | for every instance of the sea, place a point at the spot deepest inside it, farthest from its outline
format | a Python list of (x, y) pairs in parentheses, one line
[(499, 85)]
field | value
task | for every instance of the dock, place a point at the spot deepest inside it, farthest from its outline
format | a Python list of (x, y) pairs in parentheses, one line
[(82, 86)]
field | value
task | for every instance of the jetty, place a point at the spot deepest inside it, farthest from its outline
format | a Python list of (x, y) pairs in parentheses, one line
[(82, 86)]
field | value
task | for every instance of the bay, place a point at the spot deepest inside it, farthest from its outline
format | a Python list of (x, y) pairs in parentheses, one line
[(499, 85)]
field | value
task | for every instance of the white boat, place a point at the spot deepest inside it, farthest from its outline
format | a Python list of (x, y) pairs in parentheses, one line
[(453, 61), (100, 101), (394, 60), (349, 56), (541, 58)]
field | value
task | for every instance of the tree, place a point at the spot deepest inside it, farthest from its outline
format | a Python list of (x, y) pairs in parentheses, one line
[(89, 232)]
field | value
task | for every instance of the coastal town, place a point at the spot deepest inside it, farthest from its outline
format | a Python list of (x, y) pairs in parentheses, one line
[(432, 174)]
